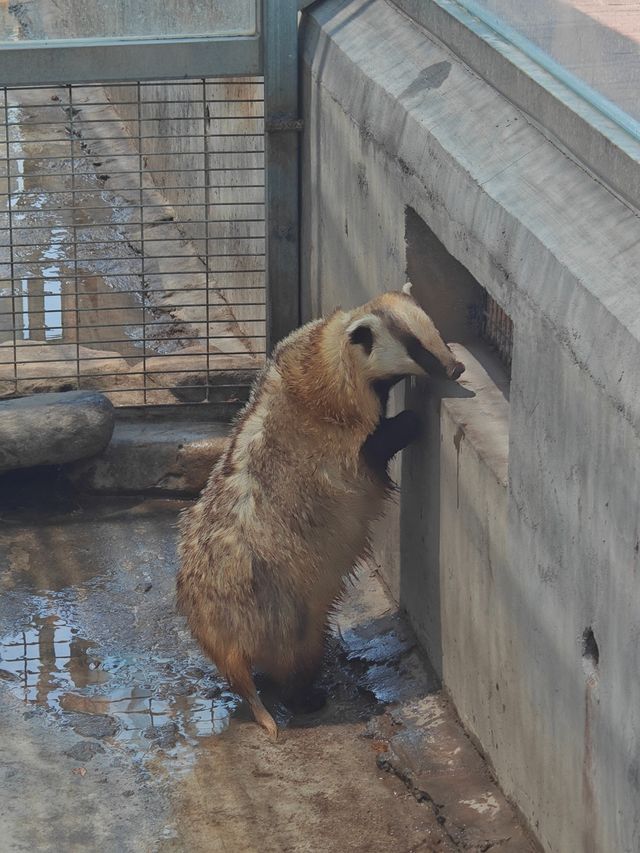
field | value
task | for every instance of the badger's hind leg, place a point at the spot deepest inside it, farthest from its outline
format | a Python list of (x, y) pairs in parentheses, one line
[(304, 697), (301, 694), (237, 670)]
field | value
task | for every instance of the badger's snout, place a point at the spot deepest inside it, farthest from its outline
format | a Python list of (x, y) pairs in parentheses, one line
[(456, 370), (444, 365)]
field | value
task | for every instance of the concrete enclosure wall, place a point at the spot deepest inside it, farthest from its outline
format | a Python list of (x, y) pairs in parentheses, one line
[(515, 545)]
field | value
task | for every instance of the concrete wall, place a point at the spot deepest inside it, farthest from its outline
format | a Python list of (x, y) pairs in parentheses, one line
[(518, 528)]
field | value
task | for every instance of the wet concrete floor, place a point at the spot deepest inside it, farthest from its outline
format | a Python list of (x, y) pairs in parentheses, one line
[(117, 734)]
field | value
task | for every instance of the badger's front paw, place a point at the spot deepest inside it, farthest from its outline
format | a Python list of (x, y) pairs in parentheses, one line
[(390, 436), (407, 427)]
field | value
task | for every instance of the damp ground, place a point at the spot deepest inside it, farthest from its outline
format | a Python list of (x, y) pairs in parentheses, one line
[(116, 733)]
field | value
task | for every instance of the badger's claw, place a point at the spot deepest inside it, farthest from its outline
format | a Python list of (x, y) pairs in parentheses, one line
[(266, 722)]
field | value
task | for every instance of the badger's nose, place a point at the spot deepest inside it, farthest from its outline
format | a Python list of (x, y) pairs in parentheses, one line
[(456, 370)]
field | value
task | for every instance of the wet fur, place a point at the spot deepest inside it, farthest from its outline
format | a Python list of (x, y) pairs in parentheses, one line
[(286, 514)]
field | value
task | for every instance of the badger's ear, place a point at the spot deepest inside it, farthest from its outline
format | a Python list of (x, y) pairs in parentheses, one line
[(362, 332), (406, 288)]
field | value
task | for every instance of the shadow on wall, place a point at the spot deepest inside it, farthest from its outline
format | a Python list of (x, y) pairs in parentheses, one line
[(444, 288), (456, 303)]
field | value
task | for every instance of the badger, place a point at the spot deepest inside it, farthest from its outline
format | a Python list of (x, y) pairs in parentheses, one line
[(286, 515)]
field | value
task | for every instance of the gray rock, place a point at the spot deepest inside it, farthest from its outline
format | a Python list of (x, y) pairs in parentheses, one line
[(49, 429), (94, 725), (84, 750), (165, 737)]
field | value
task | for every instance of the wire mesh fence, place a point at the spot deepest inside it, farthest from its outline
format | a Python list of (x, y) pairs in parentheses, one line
[(132, 238), (497, 330)]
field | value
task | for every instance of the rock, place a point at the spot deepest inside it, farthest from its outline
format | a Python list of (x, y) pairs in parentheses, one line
[(50, 429), (84, 750), (165, 736), (38, 711), (6, 675), (41, 368), (94, 725)]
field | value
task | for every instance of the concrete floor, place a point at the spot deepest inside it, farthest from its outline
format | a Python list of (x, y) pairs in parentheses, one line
[(117, 735)]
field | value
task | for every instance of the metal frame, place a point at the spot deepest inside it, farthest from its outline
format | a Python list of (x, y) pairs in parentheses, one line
[(282, 127), (112, 61), (272, 52)]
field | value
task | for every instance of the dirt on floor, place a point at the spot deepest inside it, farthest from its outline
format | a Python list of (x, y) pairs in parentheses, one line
[(116, 734)]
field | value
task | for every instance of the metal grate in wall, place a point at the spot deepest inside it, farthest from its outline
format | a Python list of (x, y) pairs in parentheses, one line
[(132, 239), (497, 330)]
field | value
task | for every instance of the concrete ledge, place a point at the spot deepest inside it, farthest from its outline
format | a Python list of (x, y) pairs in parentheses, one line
[(454, 484), (595, 139), (173, 457), (483, 419), (428, 750)]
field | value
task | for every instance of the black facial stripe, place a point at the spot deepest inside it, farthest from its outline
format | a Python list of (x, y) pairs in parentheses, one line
[(414, 348), (424, 358)]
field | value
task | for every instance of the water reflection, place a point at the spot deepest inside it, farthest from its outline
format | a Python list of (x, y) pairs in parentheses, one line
[(47, 658), (50, 664)]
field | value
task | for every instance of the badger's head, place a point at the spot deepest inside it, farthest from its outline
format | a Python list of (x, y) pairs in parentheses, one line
[(391, 337)]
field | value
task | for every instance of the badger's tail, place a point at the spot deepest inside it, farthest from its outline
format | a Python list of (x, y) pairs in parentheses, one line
[(237, 670)]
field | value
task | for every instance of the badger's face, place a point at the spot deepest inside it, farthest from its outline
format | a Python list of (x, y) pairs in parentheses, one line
[(392, 337)]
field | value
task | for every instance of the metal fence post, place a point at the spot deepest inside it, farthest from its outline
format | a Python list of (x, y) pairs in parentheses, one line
[(282, 127)]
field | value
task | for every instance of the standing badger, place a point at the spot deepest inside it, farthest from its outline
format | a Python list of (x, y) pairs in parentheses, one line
[(287, 510)]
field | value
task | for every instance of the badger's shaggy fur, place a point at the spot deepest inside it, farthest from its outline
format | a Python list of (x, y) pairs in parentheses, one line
[(287, 510)]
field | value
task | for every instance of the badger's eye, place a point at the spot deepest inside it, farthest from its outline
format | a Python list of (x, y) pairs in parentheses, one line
[(364, 336)]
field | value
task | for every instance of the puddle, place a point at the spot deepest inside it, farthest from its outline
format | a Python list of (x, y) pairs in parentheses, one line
[(144, 701), (46, 658), (90, 640), (137, 703)]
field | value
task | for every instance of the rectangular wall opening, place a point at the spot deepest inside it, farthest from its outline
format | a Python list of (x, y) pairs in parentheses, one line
[(463, 453), (463, 311)]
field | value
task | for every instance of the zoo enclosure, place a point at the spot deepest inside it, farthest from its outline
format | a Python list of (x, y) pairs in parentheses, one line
[(149, 214)]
